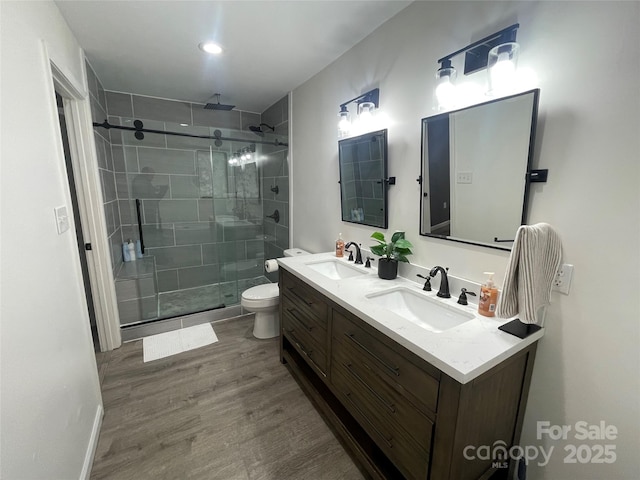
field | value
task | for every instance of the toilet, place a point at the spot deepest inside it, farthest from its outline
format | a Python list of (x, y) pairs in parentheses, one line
[(263, 300)]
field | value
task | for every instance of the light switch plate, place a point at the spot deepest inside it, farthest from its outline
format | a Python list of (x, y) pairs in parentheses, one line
[(62, 219)]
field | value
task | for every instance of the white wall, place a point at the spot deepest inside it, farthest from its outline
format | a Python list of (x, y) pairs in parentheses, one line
[(586, 56), (50, 391)]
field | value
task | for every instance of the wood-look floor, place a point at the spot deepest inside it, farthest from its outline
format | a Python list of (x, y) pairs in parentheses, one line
[(226, 411)]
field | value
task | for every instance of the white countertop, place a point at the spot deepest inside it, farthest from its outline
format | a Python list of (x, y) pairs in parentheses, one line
[(463, 352)]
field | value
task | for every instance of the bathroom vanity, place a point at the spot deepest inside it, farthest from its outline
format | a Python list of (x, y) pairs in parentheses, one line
[(405, 398)]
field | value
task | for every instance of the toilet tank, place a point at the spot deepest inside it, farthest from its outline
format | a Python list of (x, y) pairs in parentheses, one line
[(294, 252)]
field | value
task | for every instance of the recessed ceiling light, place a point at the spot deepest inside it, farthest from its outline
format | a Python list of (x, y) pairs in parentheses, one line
[(210, 47)]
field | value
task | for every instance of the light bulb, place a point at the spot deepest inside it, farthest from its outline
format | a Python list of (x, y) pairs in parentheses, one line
[(344, 125), (446, 93), (210, 47), (446, 89), (502, 67), (366, 109)]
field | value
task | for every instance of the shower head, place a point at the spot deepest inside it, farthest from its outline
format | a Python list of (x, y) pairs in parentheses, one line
[(218, 106), (259, 130)]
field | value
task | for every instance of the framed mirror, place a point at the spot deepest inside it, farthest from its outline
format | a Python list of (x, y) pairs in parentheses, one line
[(363, 179), (475, 171)]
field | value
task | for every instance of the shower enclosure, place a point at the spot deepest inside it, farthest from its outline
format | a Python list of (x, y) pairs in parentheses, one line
[(193, 197)]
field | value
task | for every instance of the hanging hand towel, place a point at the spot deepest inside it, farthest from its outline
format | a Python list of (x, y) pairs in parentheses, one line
[(535, 258)]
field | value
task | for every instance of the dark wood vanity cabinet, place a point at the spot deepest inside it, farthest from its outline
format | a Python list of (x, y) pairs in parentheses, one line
[(399, 416), (304, 315)]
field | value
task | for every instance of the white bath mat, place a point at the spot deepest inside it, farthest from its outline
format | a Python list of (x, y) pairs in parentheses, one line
[(177, 341)]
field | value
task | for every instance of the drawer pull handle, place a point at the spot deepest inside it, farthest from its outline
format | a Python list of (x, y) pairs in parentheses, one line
[(394, 370), (388, 405), (304, 350), (301, 347), (306, 353), (386, 440), (294, 313)]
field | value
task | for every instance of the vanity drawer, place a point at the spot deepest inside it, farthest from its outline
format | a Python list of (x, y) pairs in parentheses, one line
[(304, 297), (315, 326), (364, 344), (407, 456), (313, 349), (393, 408)]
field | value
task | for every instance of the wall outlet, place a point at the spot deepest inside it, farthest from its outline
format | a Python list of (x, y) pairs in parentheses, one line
[(464, 177), (562, 281)]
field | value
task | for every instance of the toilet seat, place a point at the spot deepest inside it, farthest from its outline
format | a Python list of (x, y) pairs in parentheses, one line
[(266, 295)]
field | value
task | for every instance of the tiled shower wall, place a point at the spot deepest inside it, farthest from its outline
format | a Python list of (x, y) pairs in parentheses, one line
[(190, 249), (107, 166), (188, 252), (275, 172)]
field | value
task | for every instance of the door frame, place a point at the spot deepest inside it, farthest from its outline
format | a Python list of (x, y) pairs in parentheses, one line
[(84, 159)]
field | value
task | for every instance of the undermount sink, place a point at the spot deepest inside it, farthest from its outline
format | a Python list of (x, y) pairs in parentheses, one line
[(335, 269), (424, 311)]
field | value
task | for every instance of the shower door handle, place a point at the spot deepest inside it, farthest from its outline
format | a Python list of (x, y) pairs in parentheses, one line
[(138, 212)]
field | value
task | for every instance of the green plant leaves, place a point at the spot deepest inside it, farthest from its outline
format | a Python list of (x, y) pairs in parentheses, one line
[(397, 249), (397, 236), (378, 236), (402, 243)]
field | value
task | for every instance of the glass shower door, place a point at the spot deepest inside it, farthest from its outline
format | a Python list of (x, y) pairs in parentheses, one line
[(196, 207)]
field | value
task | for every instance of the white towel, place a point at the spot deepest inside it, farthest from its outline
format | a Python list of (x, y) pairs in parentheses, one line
[(535, 258)]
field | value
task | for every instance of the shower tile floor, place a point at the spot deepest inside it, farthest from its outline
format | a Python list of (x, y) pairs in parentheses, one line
[(198, 299)]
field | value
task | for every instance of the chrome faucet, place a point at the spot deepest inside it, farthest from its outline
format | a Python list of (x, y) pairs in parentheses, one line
[(444, 281), (358, 252)]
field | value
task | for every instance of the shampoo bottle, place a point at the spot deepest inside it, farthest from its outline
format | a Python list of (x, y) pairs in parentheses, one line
[(488, 297), (339, 246), (132, 250), (125, 252)]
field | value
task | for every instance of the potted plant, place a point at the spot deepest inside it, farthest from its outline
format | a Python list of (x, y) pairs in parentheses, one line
[(391, 253)]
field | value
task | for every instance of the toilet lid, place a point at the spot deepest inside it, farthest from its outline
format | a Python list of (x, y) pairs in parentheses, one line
[(261, 292)]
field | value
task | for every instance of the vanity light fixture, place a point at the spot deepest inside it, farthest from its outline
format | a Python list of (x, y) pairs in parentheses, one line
[(497, 52), (344, 125), (365, 104), (446, 89)]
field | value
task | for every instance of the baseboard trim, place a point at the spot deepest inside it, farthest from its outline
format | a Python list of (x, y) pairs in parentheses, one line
[(93, 445)]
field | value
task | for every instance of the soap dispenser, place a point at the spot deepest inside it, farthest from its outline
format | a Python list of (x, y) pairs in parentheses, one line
[(340, 246), (488, 297)]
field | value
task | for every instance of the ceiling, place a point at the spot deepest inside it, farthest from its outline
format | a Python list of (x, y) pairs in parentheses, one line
[(270, 47)]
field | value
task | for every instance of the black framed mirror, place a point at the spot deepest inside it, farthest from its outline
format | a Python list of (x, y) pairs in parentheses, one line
[(363, 179), (475, 171)]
